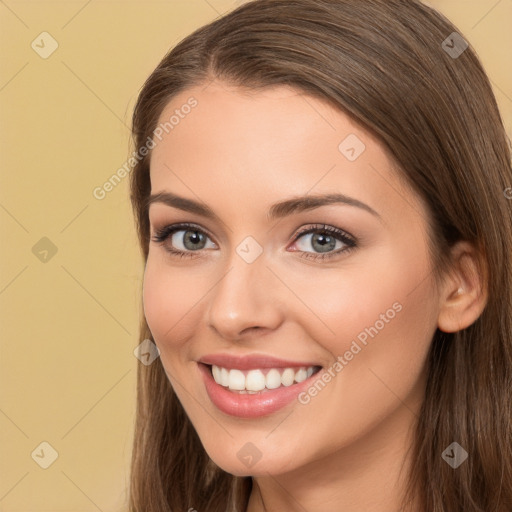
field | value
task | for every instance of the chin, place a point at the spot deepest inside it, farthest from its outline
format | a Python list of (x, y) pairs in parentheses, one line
[(250, 461)]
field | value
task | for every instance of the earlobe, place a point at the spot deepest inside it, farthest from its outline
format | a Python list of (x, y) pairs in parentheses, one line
[(463, 295)]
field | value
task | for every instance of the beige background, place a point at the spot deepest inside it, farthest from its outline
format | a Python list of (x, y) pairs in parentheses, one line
[(69, 324)]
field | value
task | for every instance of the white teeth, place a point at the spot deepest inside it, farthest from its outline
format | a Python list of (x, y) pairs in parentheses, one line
[(288, 377), (236, 380), (255, 380), (301, 375), (224, 377), (273, 379)]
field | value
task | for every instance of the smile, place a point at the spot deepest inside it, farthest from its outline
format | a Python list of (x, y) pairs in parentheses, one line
[(254, 387), (253, 381)]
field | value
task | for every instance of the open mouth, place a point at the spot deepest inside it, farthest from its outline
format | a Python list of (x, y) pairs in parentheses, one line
[(260, 380), (255, 392)]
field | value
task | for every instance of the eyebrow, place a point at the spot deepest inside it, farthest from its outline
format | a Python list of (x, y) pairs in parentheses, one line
[(277, 210)]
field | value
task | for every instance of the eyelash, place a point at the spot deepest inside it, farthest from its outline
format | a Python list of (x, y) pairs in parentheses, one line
[(161, 235)]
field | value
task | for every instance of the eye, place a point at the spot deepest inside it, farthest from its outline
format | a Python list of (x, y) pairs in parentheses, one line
[(324, 240), (183, 239)]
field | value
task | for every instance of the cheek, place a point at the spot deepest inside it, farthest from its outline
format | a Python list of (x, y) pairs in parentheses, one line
[(383, 319), (169, 295), (365, 293), (384, 325), (379, 315)]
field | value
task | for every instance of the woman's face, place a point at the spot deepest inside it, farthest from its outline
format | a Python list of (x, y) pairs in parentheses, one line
[(357, 300)]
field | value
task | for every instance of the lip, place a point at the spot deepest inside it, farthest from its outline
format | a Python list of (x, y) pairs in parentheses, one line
[(254, 405), (252, 362)]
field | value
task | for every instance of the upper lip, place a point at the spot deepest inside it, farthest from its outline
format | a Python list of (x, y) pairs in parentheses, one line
[(251, 362)]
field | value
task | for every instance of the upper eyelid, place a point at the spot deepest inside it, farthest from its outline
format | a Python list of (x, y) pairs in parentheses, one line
[(180, 226), (327, 228), (298, 233)]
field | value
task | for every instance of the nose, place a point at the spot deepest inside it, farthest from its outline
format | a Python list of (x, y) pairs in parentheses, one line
[(245, 300)]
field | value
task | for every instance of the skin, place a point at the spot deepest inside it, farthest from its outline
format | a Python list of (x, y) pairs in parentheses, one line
[(239, 152)]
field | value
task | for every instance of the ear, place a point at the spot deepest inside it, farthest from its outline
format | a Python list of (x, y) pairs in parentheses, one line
[(463, 294)]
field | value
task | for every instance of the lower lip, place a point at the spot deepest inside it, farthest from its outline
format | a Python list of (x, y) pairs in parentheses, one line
[(251, 405)]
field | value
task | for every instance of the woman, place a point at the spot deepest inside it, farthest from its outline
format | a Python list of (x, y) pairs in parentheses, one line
[(322, 205)]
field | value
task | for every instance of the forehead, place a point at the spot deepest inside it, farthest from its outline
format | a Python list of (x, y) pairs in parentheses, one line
[(253, 148)]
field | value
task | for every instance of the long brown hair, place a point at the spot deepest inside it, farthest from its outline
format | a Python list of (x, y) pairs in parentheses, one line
[(384, 63)]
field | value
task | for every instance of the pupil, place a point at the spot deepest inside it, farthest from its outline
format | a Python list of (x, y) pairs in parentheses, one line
[(193, 237), (326, 242)]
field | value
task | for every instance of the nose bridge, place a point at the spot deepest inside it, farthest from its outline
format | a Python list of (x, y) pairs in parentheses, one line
[(244, 296)]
